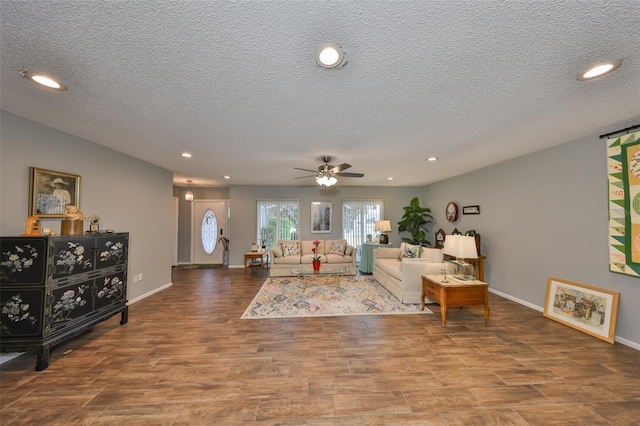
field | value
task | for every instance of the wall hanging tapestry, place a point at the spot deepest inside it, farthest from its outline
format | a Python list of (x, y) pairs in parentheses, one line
[(623, 169)]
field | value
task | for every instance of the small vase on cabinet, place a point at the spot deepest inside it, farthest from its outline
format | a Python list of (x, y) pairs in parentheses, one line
[(316, 266)]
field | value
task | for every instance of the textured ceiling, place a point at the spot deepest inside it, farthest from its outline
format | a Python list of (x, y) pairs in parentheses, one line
[(235, 83)]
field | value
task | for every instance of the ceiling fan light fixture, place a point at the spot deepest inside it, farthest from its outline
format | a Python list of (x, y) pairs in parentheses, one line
[(330, 55), (326, 180), (44, 80), (599, 70)]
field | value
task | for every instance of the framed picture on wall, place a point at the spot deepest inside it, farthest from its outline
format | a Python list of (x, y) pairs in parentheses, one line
[(50, 192), (321, 217), (589, 309)]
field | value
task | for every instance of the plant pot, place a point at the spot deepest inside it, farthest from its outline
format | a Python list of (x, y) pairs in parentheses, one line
[(316, 266)]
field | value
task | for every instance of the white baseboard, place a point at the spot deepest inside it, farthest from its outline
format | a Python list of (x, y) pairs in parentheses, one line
[(144, 296), (621, 340), (9, 356), (515, 299)]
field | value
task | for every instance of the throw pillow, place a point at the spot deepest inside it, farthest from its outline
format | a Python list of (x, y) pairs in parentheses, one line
[(338, 249), (277, 251), (290, 249), (348, 251), (410, 251)]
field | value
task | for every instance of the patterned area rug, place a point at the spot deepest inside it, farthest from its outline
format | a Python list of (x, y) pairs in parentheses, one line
[(356, 295)]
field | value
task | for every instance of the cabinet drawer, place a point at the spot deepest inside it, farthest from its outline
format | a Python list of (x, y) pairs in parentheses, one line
[(430, 291)]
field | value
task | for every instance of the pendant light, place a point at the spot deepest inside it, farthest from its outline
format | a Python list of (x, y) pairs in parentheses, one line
[(189, 195)]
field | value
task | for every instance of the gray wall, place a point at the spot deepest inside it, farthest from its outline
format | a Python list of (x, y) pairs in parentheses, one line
[(129, 195), (244, 216), (541, 215), (184, 215)]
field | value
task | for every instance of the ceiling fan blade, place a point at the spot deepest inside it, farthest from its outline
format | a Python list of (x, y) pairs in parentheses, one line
[(300, 177), (306, 170), (341, 167), (350, 174)]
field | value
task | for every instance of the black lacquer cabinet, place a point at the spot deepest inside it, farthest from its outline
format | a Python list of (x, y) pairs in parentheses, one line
[(54, 288)]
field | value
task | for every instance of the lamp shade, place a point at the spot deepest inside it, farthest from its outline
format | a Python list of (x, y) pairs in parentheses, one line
[(383, 225), (461, 247)]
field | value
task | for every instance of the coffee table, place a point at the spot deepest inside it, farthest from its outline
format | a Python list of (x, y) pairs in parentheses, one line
[(309, 277)]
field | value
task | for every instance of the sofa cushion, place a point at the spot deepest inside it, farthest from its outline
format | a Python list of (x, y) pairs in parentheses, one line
[(435, 254), (390, 266), (409, 251), (336, 258), (290, 249), (348, 251), (306, 246), (308, 258), (337, 248), (421, 260), (286, 260)]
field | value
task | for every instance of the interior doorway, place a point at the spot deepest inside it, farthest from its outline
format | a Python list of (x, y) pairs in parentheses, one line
[(209, 221)]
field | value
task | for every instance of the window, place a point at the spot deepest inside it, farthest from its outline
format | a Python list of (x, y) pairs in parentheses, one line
[(277, 220), (209, 231), (359, 219)]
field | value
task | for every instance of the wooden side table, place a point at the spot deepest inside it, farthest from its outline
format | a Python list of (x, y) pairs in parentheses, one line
[(454, 293), (251, 256)]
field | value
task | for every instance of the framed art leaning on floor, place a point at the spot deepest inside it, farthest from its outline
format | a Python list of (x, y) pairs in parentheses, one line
[(589, 309)]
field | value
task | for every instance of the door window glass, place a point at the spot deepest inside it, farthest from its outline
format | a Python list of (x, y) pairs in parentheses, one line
[(209, 231)]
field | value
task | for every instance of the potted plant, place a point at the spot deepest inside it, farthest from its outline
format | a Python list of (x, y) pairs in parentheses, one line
[(316, 256), (414, 221)]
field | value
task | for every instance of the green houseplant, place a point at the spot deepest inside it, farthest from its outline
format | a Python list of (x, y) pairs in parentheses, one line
[(414, 221)]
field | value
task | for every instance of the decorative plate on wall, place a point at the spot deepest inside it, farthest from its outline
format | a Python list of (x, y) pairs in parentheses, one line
[(451, 212)]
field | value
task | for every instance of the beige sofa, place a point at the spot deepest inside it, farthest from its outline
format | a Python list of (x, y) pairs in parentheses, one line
[(283, 256), (402, 276)]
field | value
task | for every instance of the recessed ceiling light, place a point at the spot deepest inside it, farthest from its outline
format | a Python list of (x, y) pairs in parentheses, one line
[(44, 80), (432, 158), (389, 178), (227, 177), (186, 154), (599, 70), (330, 55)]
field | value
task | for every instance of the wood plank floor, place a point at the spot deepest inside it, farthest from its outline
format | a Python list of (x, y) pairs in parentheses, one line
[(186, 358)]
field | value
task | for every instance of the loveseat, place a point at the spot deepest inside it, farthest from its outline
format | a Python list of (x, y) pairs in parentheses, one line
[(288, 254), (401, 274)]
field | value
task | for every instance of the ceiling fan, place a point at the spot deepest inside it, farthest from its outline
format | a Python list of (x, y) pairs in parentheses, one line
[(326, 174)]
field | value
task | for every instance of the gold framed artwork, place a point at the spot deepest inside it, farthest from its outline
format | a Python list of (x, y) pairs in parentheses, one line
[(50, 192), (589, 309)]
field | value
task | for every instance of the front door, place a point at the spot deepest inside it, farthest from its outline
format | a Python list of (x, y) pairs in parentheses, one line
[(210, 221)]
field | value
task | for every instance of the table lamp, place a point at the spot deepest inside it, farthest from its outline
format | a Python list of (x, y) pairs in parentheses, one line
[(461, 247), (383, 226)]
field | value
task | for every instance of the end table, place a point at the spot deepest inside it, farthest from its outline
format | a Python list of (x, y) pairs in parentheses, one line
[(454, 293)]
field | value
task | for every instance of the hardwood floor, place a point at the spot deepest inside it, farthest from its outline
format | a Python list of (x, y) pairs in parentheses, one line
[(186, 357)]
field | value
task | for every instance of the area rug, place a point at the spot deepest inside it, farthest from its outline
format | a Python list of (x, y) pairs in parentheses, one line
[(204, 266), (357, 295)]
